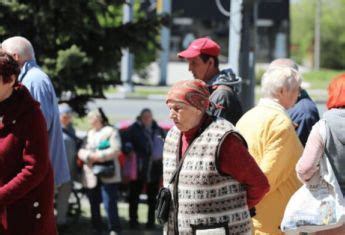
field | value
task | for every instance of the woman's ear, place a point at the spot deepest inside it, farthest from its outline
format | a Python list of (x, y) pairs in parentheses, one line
[(13, 79)]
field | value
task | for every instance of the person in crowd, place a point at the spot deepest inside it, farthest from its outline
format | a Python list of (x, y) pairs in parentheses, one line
[(304, 114), (274, 144), (218, 181), (101, 171), (42, 90), (202, 55), (26, 176), (71, 142), (327, 139), (147, 140)]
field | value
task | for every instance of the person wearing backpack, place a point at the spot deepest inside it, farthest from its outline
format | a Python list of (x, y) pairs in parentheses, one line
[(202, 55)]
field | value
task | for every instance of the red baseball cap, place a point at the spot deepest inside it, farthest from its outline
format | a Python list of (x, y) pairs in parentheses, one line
[(200, 46)]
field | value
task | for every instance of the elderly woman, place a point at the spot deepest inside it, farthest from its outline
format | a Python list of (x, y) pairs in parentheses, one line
[(218, 181), (327, 139), (101, 170), (146, 136), (26, 176), (273, 143)]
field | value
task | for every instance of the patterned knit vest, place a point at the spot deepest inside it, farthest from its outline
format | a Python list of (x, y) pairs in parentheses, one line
[(204, 198)]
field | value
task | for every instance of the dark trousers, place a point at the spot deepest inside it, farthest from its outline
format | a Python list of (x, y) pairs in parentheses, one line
[(152, 187), (152, 191), (135, 188), (106, 193)]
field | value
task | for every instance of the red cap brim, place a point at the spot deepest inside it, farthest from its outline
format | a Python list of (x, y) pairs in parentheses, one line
[(188, 54)]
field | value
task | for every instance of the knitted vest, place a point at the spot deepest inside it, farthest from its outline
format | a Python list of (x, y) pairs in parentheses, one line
[(206, 199), (334, 144)]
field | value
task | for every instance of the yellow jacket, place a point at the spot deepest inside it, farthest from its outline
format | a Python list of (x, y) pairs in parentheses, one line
[(273, 143)]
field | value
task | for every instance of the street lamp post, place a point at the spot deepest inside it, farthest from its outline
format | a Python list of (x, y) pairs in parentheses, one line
[(317, 35), (127, 59)]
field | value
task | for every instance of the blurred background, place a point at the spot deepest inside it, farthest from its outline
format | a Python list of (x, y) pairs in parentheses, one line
[(121, 55)]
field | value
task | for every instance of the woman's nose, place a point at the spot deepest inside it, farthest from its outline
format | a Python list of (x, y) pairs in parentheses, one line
[(172, 114)]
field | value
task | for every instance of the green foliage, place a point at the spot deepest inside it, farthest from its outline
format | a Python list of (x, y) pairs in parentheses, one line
[(302, 25), (332, 32), (258, 76), (79, 42), (320, 79)]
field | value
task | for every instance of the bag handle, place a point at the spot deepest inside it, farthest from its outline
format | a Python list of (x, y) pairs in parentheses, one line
[(177, 169)]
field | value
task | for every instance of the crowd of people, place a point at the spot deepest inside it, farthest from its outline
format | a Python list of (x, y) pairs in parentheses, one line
[(228, 171)]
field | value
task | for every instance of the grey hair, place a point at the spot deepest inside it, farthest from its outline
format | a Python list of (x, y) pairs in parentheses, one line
[(277, 78), (283, 62), (20, 46)]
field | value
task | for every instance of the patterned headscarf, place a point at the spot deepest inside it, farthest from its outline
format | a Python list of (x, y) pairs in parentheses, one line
[(192, 92)]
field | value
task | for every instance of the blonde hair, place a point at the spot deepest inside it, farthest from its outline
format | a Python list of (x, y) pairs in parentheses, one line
[(277, 78)]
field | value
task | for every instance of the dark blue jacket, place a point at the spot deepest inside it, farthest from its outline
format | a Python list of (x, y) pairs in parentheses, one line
[(304, 114)]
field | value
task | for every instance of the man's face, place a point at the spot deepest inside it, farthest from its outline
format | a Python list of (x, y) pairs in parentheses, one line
[(65, 119), (199, 68), (184, 116)]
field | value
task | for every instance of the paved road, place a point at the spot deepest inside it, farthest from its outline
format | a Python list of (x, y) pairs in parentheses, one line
[(124, 109), (128, 109)]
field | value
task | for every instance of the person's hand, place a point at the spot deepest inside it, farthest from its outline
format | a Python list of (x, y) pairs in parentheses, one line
[(92, 158)]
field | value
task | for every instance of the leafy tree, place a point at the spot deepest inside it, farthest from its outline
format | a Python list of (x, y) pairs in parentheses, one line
[(332, 31), (78, 43)]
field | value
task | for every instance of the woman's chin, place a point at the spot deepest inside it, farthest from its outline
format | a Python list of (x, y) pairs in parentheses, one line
[(180, 127)]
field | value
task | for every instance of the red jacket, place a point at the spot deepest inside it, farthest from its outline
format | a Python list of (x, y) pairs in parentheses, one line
[(26, 176)]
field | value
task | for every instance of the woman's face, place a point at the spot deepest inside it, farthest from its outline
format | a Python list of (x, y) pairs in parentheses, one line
[(6, 89), (288, 98), (184, 116), (146, 118), (95, 121)]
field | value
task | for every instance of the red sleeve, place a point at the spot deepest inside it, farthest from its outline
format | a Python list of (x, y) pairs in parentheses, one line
[(35, 160), (236, 161)]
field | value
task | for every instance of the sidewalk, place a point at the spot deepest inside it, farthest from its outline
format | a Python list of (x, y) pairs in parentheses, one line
[(142, 93), (83, 225)]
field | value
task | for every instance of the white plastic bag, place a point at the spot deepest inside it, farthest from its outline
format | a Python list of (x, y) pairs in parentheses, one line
[(315, 206)]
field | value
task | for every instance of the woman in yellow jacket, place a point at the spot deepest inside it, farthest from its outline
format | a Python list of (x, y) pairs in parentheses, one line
[(273, 143)]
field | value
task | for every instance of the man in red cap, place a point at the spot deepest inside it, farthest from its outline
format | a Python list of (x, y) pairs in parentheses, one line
[(202, 55)]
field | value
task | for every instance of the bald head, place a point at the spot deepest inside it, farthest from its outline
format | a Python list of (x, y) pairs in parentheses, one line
[(283, 62), (20, 48)]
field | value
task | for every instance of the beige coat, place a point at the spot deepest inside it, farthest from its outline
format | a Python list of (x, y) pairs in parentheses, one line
[(94, 138)]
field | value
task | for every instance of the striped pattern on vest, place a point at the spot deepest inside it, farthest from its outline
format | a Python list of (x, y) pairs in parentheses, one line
[(205, 198)]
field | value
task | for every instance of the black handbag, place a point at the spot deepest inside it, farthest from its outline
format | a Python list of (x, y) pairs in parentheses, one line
[(104, 169), (163, 205)]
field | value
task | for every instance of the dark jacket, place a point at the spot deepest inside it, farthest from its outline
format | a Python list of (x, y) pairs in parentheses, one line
[(304, 114), (26, 176), (142, 144), (223, 88)]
